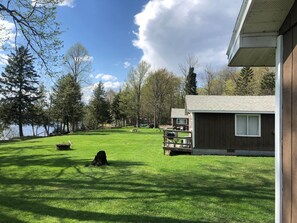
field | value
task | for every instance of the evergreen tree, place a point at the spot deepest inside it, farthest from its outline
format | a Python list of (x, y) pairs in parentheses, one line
[(19, 88), (116, 111), (99, 105), (268, 84), (67, 104), (191, 83), (41, 112), (245, 82)]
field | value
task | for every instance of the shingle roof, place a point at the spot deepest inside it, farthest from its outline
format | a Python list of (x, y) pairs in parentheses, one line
[(178, 113), (230, 104)]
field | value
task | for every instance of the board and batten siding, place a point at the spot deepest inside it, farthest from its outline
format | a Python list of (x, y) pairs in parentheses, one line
[(217, 131), (289, 117)]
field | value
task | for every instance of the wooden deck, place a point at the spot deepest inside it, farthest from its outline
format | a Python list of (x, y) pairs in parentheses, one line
[(177, 141)]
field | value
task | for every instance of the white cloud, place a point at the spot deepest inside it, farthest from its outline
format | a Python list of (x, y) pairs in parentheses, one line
[(106, 77), (88, 91), (170, 30), (98, 76), (69, 3), (127, 64), (114, 85), (3, 59), (7, 33), (86, 58)]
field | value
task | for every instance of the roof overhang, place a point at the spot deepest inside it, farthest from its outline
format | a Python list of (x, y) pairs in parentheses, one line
[(253, 41), (231, 112)]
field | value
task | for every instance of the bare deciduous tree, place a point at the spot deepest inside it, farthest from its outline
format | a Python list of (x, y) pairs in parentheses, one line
[(33, 22), (190, 61), (136, 80), (78, 62)]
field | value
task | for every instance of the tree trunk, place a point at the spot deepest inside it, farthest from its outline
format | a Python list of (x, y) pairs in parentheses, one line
[(21, 130), (20, 123), (138, 110), (33, 130), (46, 130), (155, 113)]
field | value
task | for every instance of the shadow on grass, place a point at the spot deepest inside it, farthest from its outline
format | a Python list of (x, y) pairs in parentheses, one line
[(211, 191), (208, 192), (21, 139), (60, 160), (6, 218), (61, 213)]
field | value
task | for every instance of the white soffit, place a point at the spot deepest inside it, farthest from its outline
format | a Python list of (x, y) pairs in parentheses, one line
[(253, 42)]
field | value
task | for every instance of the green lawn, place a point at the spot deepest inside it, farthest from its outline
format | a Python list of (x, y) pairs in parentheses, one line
[(40, 184)]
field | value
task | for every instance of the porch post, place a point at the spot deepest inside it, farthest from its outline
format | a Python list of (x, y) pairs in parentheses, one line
[(193, 130), (278, 130)]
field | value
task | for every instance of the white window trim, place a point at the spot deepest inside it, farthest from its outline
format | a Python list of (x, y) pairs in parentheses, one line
[(258, 115), (178, 119)]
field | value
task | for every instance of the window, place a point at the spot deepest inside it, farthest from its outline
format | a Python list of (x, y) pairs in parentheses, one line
[(248, 125), (181, 121)]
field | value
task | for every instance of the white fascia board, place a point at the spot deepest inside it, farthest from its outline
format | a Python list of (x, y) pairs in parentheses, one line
[(258, 41), (231, 112), (255, 40), (238, 26)]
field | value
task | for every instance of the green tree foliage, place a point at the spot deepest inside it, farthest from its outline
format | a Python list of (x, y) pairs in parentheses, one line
[(99, 106), (41, 115), (117, 113), (35, 23), (127, 104), (67, 106), (159, 88), (191, 83), (245, 82), (19, 88), (268, 84), (135, 82)]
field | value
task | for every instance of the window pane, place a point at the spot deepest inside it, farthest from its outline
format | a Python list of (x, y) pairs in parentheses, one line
[(253, 127), (241, 123)]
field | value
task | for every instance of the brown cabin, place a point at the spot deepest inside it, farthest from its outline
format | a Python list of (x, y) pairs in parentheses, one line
[(232, 125), (265, 34), (179, 119)]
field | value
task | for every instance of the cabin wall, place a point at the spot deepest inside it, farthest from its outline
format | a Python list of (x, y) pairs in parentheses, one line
[(175, 125), (289, 117), (217, 132)]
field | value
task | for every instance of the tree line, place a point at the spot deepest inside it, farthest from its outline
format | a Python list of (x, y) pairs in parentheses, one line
[(146, 98)]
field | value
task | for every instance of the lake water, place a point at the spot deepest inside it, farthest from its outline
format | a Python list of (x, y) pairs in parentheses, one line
[(13, 131)]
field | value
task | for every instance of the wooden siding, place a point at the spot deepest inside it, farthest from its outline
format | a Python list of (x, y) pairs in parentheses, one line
[(217, 131), (289, 117)]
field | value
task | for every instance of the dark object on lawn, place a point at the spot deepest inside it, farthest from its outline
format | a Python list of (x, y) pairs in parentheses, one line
[(100, 159), (151, 125), (63, 146), (171, 135)]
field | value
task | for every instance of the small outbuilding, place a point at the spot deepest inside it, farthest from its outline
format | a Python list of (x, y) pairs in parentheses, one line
[(179, 119), (233, 125)]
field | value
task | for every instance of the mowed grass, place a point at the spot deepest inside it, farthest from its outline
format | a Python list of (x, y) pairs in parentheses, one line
[(40, 184)]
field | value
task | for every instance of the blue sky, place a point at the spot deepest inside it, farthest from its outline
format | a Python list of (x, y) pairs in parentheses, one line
[(120, 33), (106, 29)]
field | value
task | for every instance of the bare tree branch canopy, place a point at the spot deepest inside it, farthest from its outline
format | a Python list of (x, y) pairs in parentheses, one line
[(136, 80), (78, 62), (35, 26), (190, 61)]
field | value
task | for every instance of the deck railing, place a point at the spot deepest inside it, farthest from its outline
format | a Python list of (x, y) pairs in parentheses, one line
[(175, 140)]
